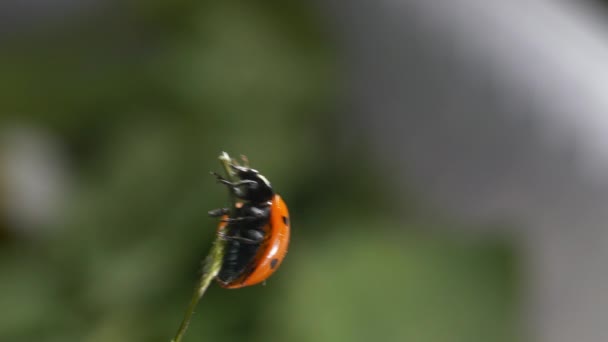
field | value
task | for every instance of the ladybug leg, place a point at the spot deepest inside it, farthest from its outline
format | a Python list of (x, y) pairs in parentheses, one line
[(217, 176), (239, 219), (251, 214), (241, 239), (235, 184), (239, 183), (260, 213), (238, 169), (219, 212), (255, 235)]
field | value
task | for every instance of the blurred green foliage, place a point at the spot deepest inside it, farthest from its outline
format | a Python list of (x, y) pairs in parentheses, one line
[(143, 96)]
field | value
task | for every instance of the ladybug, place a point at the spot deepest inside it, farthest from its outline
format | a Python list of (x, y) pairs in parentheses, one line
[(257, 233)]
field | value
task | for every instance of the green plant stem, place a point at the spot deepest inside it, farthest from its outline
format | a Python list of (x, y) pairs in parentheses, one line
[(213, 261)]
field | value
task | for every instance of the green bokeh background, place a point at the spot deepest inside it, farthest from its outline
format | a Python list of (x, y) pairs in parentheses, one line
[(142, 98)]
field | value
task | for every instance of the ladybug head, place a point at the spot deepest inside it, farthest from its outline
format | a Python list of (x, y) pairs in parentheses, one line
[(255, 189)]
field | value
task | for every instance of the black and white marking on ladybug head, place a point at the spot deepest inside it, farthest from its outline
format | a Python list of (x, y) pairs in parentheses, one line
[(258, 191)]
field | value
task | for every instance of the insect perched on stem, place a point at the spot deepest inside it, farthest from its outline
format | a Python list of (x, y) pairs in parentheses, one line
[(256, 231), (252, 237)]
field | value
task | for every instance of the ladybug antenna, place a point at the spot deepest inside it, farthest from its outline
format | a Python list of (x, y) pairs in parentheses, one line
[(245, 160)]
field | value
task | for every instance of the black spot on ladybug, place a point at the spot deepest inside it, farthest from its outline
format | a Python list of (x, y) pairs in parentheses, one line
[(285, 220), (273, 263)]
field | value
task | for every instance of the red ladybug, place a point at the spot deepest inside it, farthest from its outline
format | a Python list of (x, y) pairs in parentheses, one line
[(257, 233)]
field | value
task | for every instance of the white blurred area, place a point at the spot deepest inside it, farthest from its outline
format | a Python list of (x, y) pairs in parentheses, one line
[(33, 179), (555, 51), (498, 111)]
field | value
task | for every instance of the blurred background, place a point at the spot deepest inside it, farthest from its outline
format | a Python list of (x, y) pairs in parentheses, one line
[(444, 163)]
